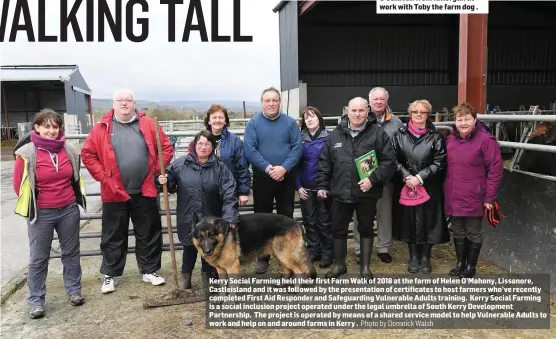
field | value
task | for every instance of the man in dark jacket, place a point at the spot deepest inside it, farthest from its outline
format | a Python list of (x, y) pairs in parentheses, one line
[(378, 101), (356, 135)]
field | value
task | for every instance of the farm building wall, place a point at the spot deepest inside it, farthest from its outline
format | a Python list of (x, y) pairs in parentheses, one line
[(345, 49)]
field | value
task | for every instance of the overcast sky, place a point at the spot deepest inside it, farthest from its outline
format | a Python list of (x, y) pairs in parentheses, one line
[(160, 70)]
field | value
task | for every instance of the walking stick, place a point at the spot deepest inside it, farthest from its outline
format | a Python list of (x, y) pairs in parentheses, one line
[(166, 202), (176, 296)]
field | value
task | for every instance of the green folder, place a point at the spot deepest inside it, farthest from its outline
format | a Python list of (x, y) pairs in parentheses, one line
[(366, 164)]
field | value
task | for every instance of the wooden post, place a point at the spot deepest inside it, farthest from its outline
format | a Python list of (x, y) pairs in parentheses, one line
[(8, 133), (473, 60)]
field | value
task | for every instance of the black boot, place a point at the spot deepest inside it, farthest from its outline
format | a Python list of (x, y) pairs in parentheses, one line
[(413, 265), (262, 264), (461, 253), (426, 258), (327, 260), (185, 281), (340, 267), (366, 249), (472, 258), (315, 257)]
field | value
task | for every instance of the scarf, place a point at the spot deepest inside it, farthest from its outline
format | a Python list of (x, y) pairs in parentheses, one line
[(51, 145), (316, 135), (415, 130)]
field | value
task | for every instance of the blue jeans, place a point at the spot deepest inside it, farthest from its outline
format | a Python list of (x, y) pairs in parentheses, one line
[(65, 220)]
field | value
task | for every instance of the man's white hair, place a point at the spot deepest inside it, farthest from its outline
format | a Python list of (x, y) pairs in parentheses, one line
[(358, 99), (379, 89), (123, 91)]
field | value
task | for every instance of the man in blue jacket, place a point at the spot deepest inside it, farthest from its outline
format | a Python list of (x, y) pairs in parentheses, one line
[(272, 145)]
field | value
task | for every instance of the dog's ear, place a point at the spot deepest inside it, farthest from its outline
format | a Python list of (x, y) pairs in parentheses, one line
[(221, 225)]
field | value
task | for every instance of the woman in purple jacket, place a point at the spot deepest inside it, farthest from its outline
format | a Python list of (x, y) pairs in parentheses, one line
[(474, 173), (316, 212)]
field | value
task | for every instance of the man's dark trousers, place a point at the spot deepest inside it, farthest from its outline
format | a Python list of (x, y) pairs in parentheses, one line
[(147, 228), (265, 191)]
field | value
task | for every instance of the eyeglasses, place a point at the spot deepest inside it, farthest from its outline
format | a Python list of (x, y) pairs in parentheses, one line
[(202, 144), (459, 120), (419, 113), (124, 100)]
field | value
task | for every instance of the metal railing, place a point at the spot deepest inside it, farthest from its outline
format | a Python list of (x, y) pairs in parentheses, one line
[(249, 208), (439, 125)]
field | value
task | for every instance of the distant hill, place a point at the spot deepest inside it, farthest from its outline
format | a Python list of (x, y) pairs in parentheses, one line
[(102, 105)]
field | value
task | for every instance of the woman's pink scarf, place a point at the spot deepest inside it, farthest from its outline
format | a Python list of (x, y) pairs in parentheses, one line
[(51, 145), (415, 130)]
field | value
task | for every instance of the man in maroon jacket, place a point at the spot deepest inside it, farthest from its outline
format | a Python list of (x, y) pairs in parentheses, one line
[(121, 153)]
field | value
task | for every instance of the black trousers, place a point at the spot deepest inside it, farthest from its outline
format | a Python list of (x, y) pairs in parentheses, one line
[(189, 257), (147, 227), (468, 227), (267, 190), (317, 222), (342, 213)]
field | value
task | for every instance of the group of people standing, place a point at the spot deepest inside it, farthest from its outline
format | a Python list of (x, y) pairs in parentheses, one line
[(420, 178)]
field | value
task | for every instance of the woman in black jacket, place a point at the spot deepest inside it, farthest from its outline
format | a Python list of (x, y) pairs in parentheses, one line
[(205, 187), (421, 156)]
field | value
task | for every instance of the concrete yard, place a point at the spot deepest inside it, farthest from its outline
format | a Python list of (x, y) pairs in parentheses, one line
[(121, 314)]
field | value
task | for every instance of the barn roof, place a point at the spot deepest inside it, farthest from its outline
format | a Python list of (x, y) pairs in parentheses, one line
[(304, 5), (37, 72)]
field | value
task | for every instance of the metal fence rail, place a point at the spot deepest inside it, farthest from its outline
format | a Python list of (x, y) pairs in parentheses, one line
[(443, 113), (439, 125), (509, 116)]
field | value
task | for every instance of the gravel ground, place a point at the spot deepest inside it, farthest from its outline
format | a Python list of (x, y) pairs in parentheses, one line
[(122, 315)]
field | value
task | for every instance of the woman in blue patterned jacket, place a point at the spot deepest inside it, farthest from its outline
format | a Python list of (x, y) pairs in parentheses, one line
[(315, 211), (229, 150)]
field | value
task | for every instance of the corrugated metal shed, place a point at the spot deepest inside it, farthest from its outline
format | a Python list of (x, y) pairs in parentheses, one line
[(289, 46), (345, 48), (36, 73), (26, 89)]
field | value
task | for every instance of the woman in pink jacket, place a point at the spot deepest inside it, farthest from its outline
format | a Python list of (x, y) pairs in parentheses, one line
[(474, 173)]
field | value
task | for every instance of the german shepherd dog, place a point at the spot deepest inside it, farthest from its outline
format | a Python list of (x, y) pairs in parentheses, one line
[(256, 234)]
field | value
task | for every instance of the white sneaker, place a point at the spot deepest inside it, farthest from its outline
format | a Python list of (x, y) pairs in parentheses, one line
[(154, 279), (108, 285)]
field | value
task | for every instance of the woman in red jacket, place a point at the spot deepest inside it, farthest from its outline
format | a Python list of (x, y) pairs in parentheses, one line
[(47, 182), (474, 173)]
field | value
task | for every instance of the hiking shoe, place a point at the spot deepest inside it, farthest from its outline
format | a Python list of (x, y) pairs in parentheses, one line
[(36, 312), (108, 285), (154, 278), (76, 299)]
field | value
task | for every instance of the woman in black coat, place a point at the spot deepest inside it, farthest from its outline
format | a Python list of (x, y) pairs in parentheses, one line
[(421, 159), (205, 187)]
